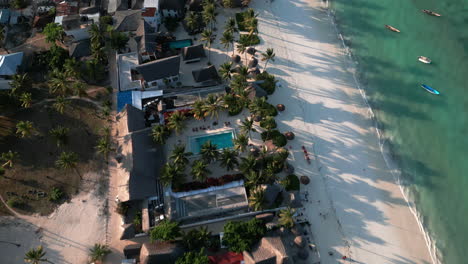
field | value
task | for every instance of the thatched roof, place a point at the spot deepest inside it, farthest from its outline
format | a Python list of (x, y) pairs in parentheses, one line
[(253, 62), (160, 252), (270, 249)]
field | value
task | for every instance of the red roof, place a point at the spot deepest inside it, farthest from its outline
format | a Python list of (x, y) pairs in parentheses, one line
[(149, 12), (227, 258)]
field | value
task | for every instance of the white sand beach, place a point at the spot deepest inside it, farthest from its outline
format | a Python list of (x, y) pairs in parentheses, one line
[(355, 206)]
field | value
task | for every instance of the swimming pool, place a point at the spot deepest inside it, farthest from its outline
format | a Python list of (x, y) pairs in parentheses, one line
[(178, 44), (221, 140)]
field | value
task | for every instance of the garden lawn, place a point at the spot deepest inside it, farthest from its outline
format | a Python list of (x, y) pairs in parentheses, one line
[(35, 171)]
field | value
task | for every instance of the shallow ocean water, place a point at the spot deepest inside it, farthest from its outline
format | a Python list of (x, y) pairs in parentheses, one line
[(428, 133)]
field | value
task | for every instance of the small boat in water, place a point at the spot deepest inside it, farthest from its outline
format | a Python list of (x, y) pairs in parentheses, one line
[(431, 13), (424, 59), (392, 28), (430, 89)]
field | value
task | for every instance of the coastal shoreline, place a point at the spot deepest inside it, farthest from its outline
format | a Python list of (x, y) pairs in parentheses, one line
[(389, 155), (348, 245)]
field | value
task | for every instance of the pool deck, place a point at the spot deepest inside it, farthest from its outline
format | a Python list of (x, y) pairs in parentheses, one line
[(184, 138)]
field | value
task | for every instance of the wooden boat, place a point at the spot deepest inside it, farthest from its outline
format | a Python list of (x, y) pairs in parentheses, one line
[(431, 13), (424, 59), (392, 28), (430, 89)]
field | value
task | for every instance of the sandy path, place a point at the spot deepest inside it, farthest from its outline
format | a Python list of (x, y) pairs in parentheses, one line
[(355, 206)]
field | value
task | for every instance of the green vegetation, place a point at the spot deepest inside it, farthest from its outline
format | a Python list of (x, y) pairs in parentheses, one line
[(257, 199), (286, 217), (14, 202), (196, 239), (160, 134), (55, 195), (240, 236), (176, 122), (209, 152), (269, 84), (291, 183), (193, 257), (199, 170), (60, 135), (172, 174), (179, 156), (228, 159), (166, 231), (268, 123), (249, 40), (98, 252), (267, 56), (53, 32), (36, 256), (208, 38)]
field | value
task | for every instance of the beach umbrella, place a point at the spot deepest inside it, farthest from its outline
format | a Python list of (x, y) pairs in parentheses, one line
[(299, 241), (235, 58), (254, 71), (251, 50), (280, 107), (289, 135), (304, 180)]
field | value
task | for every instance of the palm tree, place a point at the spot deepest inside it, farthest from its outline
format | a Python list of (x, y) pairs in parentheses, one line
[(241, 48), (225, 70), (118, 40), (198, 110), (171, 174), (160, 134), (24, 128), (192, 21), (247, 126), (212, 106), (228, 3), (253, 178), (209, 151), (176, 121), (26, 100), (95, 34), (60, 104), (199, 170), (53, 32), (267, 56), (207, 37), (257, 106), (104, 146), (67, 160), (179, 156), (257, 199), (230, 25), (286, 217), (59, 83), (20, 83), (71, 68), (60, 134), (227, 40), (247, 164), (9, 158), (251, 25), (36, 256), (209, 14), (241, 142), (243, 72), (98, 252), (228, 159)]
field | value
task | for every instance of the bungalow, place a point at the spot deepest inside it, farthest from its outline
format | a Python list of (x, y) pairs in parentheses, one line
[(172, 8), (127, 20), (159, 73), (193, 53), (9, 64), (207, 75), (161, 252)]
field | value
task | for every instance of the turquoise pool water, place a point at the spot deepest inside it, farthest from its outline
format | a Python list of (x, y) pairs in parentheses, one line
[(178, 44), (223, 140)]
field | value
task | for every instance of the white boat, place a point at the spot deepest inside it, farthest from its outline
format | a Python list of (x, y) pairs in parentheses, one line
[(424, 59)]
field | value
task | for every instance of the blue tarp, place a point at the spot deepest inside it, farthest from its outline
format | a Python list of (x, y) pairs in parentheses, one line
[(9, 63), (123, 98)]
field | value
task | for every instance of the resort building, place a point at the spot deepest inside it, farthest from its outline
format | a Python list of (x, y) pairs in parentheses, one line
[(128, 78), (172, 8), (159, 74), (193, 53), (161, 252), (206, 76), (128, 20), (152, 16)]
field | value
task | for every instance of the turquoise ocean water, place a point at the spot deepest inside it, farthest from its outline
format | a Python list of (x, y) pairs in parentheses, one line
[(428, 134)]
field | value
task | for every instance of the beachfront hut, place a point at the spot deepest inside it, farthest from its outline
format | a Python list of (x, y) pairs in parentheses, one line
[(160, 252)]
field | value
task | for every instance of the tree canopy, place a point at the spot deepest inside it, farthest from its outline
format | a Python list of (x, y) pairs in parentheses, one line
[(240, 236), (166, 230), (193, 257)]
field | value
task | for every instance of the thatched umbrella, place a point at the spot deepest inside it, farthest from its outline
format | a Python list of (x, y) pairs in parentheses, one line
[(289, 135), (251, 50), (258, 118), (235, 58), (280, 107), (299, 241), (254, 71), (304, 180), (253, 63)]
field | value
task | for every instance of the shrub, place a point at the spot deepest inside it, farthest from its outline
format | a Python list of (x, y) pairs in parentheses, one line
[(280, 140), (240, 236), (240, 21), (235, 109), (122, 208), (55, 195), (14, 202), (269, 84), (291, 183), (106, 20), (251, 40), (270, 110), (268, 123), (165, 231)]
